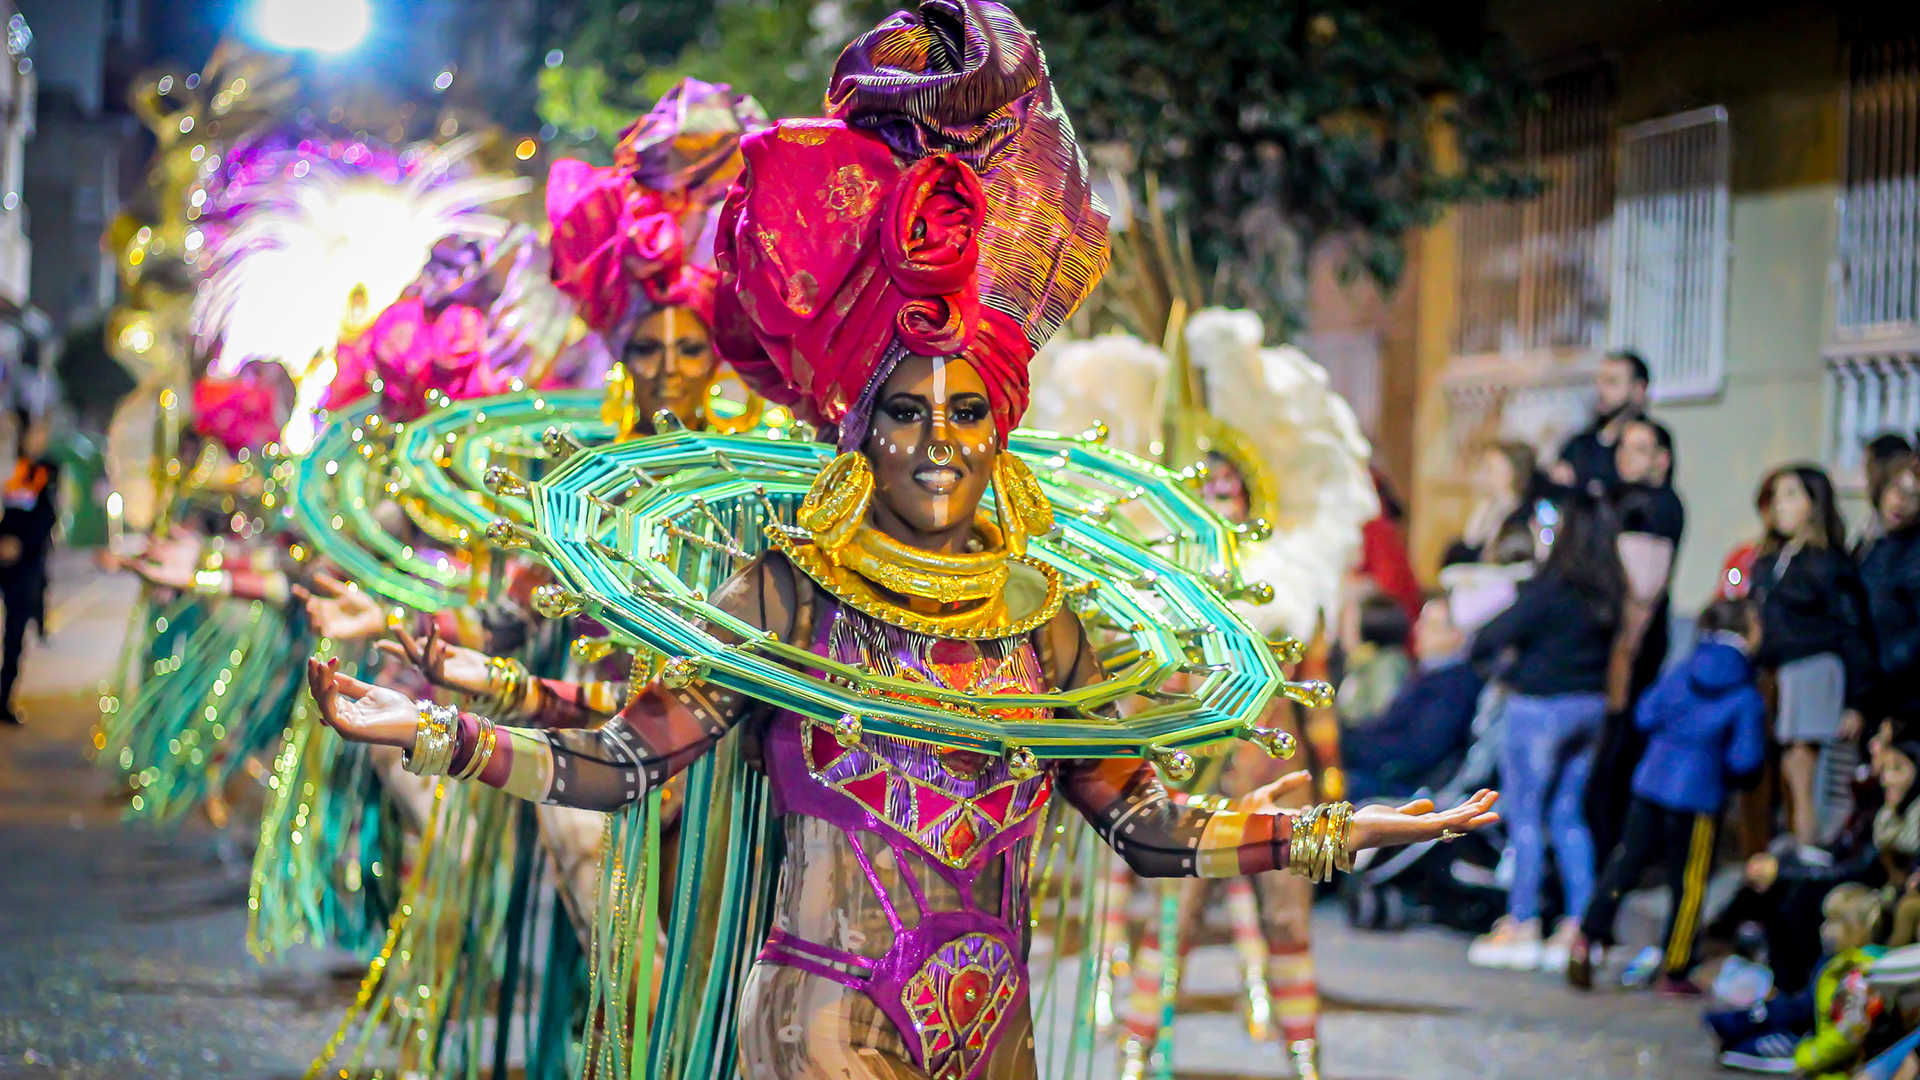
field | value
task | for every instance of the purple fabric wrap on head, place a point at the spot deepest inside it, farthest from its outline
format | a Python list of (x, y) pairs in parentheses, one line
[(686, 143), (964, 77)]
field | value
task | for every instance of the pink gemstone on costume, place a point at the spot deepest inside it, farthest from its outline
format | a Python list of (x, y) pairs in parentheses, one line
[(994, 803), (948, 652)]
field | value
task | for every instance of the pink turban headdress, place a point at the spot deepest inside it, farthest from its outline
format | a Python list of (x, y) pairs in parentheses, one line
[(942, 208), (628, 237), (245, 410)]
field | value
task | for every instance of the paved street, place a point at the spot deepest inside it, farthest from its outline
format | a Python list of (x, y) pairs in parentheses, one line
[(121, 956)]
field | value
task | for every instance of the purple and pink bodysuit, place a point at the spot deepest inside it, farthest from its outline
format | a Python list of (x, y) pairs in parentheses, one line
[(899, 943)]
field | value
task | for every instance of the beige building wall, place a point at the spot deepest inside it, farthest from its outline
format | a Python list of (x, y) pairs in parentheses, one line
[(1780, 76)]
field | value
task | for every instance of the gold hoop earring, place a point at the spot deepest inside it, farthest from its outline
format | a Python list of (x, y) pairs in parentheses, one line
[(617, 409), (836, 503), (1024, 509), (751, 410)]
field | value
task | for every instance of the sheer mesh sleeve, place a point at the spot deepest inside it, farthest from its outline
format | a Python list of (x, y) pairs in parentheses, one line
[(1133, 812), (659, 733)]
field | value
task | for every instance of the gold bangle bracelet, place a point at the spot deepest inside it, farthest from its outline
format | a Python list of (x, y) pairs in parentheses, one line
[(483, 747), (1318, 842), (434, 740)]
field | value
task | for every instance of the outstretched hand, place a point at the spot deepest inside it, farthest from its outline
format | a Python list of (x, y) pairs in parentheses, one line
[(453, 666), (170, 562), (341, 610), (1417, 821), (359, 711)]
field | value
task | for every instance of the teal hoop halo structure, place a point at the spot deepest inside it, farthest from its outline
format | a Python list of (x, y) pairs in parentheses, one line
[(434, 466), (626, 527)]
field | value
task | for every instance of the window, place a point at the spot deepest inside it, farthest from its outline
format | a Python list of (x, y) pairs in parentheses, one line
[(1533, 272), (1671, 243), (1873, 355), (1872, 392), (1879, 240)]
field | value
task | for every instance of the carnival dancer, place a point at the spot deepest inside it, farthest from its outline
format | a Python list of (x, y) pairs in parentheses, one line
[(1254, 415), (626, 254), (959, 231)]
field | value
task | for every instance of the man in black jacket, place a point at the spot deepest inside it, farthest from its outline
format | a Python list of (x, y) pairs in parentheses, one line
[(1621, 388), (1652, 520), (26, 540)]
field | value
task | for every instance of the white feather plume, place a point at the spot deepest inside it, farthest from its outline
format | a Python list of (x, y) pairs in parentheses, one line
[(280, 283), (1280, 400), (1114, 378)]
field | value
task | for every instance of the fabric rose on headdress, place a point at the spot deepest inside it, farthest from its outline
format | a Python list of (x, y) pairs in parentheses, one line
[(466, 326), (352, 369), (814, 314), (614, 241), (414, 354), (244, 411)]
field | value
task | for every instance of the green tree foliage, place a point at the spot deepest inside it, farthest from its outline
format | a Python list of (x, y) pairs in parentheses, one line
[(1277, 126), (594, 67), (1274, 126)]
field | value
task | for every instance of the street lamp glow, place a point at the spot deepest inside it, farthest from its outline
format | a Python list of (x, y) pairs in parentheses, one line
[(333, 27)]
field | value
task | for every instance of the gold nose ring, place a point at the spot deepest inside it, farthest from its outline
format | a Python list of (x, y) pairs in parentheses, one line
[(940, 454)]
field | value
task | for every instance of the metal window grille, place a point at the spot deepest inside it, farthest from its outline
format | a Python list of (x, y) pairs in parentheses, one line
[(1879, 237), (1671, 245), (1872, 392), (1873, 357), (1533, 272)]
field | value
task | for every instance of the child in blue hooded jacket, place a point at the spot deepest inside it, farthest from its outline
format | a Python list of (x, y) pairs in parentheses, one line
[(1705, 724)]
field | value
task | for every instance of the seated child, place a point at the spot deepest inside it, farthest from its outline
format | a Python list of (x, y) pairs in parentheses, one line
[(1838, 1006)]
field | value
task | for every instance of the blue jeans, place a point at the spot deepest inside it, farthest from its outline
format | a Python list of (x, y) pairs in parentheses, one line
[(1544, 767)]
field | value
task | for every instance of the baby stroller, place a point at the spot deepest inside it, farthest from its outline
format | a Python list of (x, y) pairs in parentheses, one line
[(1451, 883)]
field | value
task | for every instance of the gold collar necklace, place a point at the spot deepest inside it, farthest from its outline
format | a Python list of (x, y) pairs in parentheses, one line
[(861, 566)]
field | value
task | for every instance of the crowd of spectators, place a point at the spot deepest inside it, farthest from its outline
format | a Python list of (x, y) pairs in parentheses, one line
[(1752, 761)]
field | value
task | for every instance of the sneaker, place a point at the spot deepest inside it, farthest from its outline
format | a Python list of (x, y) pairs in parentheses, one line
[(1642, 968), (1512, 945), (1677, 986), (1582, 958), (1556, 951), (1766, 1054)]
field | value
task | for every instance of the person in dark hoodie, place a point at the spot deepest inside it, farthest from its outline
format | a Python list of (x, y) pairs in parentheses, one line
[(1816, 638), (1556, 639), (1705, 723), (1890, 574), (1427, 723)]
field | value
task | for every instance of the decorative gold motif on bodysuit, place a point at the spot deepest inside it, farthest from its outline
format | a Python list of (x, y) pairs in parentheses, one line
[(958, 1000), (950, 827)]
